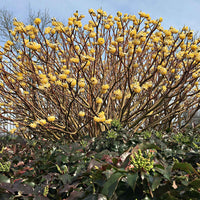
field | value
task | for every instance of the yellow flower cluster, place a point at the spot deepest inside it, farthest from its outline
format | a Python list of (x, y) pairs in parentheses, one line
[(136, 87), (33, 45), (81, 114), (101, 117), (118, 94), (81, 83), (94, 81), (99, 100), (37, 21), (51, 118), (162, 70)]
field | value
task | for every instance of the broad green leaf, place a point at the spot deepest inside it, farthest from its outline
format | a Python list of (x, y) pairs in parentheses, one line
[(132, 179), (145, 146), (111, 185), (65, 178), (4, 179), (164, 172), (187, 167), (156, 182), (195, 184)]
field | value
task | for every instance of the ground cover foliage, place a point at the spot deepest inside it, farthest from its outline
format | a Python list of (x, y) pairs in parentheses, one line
[(147, 165)]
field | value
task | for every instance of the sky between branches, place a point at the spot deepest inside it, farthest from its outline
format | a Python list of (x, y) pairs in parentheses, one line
[(175, 13)]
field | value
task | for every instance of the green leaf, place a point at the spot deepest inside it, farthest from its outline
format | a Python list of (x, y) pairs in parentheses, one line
[(186, 167), (65, 178), (164, 172), (132, 179), (195, 184), (156, 182), (111, 185), (145, 146), (4, 179)]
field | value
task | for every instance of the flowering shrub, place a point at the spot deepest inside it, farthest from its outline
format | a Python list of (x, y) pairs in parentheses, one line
[(73, 80)]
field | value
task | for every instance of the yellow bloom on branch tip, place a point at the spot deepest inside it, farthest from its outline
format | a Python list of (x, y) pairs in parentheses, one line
[(137, 89), (112, 49), (92, 34), (182, 36), (105, 87), (108, 121), (91, 10), (120, 39), (74, 60), (96, 119), (42, 122), (62, 76), (100, 118), (47, 30), (81, 83), (81, 114), (51, 118), (106, 26), (164, 88), (99, 100), (101, 41), (73, 82), (37, 21), (33, 125), (162, 70), (194, 75), (13, 130), (94, 81), (118, 94), (53, 78)]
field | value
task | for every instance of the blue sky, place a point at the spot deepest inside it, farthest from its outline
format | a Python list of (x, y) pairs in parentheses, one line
[(175, 13)]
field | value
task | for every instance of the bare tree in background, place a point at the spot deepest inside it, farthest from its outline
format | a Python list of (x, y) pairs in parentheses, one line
[(6, 22), (43, 15), (6, 19)]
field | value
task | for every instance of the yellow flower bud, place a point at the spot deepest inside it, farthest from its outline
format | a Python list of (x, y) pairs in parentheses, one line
[(62, 76), (101, 41), (137, 89), (105, 87), (94, 81), (182, 36), (107, 26), (81, 114), (37, 21), (108, 121), (81, 83), (99, 100), (92, 34), (73, 82), (42, 122), (118, 94), (120, 39), (51, 118)]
